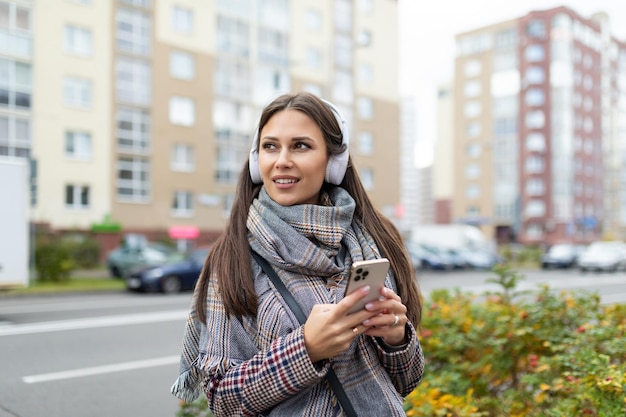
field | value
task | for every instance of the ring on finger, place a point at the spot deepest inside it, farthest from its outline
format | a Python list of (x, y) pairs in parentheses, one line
[(396, 319), (355, 331)]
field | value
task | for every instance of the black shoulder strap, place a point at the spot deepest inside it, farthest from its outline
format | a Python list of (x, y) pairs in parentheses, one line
[(335, 384)]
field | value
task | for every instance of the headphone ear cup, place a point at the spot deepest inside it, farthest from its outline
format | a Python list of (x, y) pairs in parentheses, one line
[(253, 161)]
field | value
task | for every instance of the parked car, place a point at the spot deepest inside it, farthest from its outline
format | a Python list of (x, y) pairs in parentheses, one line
[(123, 260), (169, 278), (429, 259), (561, 255), (478, 258), (603, 256)]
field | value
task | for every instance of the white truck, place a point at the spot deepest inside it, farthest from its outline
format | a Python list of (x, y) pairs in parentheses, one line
[(451, 236), (14, 221)]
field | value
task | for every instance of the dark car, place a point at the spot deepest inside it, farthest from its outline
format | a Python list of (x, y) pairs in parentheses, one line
[(562, 255), (169, 278)]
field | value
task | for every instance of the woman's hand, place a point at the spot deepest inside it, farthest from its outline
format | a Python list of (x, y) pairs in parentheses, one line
[(329, 330), (389, 320)]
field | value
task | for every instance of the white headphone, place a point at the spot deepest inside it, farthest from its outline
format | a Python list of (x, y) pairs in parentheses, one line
[(337, 164)]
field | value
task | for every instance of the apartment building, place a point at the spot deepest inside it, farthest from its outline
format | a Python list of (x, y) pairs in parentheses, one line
[(141, 112), (539, 108)]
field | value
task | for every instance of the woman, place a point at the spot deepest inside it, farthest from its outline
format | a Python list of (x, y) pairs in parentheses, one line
[(301, 206)]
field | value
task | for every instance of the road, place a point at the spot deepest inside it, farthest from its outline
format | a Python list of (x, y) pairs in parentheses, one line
[(116, 354)]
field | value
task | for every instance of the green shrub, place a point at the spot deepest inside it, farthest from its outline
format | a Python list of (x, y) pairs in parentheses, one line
[(53, 260), (85, 252)]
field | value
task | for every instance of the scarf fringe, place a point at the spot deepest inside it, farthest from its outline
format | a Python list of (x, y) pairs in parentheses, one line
[(187, 386)]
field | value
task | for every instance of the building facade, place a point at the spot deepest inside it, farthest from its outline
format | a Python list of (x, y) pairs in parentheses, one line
[(539, 104), (141, 112)]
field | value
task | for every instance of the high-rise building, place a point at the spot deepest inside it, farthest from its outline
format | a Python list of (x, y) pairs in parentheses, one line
[(142, 111), (539, 109)]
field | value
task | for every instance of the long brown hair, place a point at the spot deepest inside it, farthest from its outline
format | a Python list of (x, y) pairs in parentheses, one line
[(234, 276)]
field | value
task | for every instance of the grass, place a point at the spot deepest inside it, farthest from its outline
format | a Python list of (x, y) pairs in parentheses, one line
[(74, 284)]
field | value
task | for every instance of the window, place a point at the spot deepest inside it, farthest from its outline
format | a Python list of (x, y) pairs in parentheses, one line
[(473, 130), (366, 143), (505, 126), (78, 40), (275, 11), (146, 4), (367, 178), (182, 204), (15, 84), (133, 179), (534, 53), (182, 65), (534, 231), (472, 109), (15, 136), (342, 87), (535, 119), (366, 6), (183, 158), (313, 20), (77, 92), (505, 39), (182, 20), (233, 36), (343, 48), (536, 142), (182, 111), (534, 97), (472, 171), (535, 187), (313, 58), (472, 68), (535, 208), (133, 79), (228, 163), (15, 30), (535, 75), (473, 150), (78, 145), (534, 165), (76, 196), (273, 47), (133, 130), (232, 79), (472, 89), (343, 15), (365, 108), (472, 191), (366, 73), (536, 29), (132, 32)]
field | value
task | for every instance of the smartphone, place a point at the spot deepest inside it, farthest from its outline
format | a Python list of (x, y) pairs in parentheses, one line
[(372, 273)]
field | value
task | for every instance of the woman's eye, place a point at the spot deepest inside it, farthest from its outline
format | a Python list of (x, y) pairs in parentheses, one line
[(268, 145), (301, 145)]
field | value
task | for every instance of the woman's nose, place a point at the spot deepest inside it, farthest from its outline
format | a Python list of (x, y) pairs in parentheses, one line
[(284, 158)]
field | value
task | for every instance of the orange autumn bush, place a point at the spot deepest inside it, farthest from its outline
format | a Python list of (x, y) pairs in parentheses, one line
[(516, 354)]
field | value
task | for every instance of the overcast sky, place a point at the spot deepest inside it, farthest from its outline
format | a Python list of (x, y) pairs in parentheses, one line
[(427, 31)]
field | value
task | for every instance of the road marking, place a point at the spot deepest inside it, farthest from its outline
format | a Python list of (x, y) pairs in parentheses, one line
[(100, 370), (94, 322), (44, 306)]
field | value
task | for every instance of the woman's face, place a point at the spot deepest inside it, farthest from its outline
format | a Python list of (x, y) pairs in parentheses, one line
[(292, 158)]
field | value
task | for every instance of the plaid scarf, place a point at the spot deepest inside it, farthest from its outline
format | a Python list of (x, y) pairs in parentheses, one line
[(302, 241)]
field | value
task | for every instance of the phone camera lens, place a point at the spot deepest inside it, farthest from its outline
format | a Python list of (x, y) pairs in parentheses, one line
[(366, 273)]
